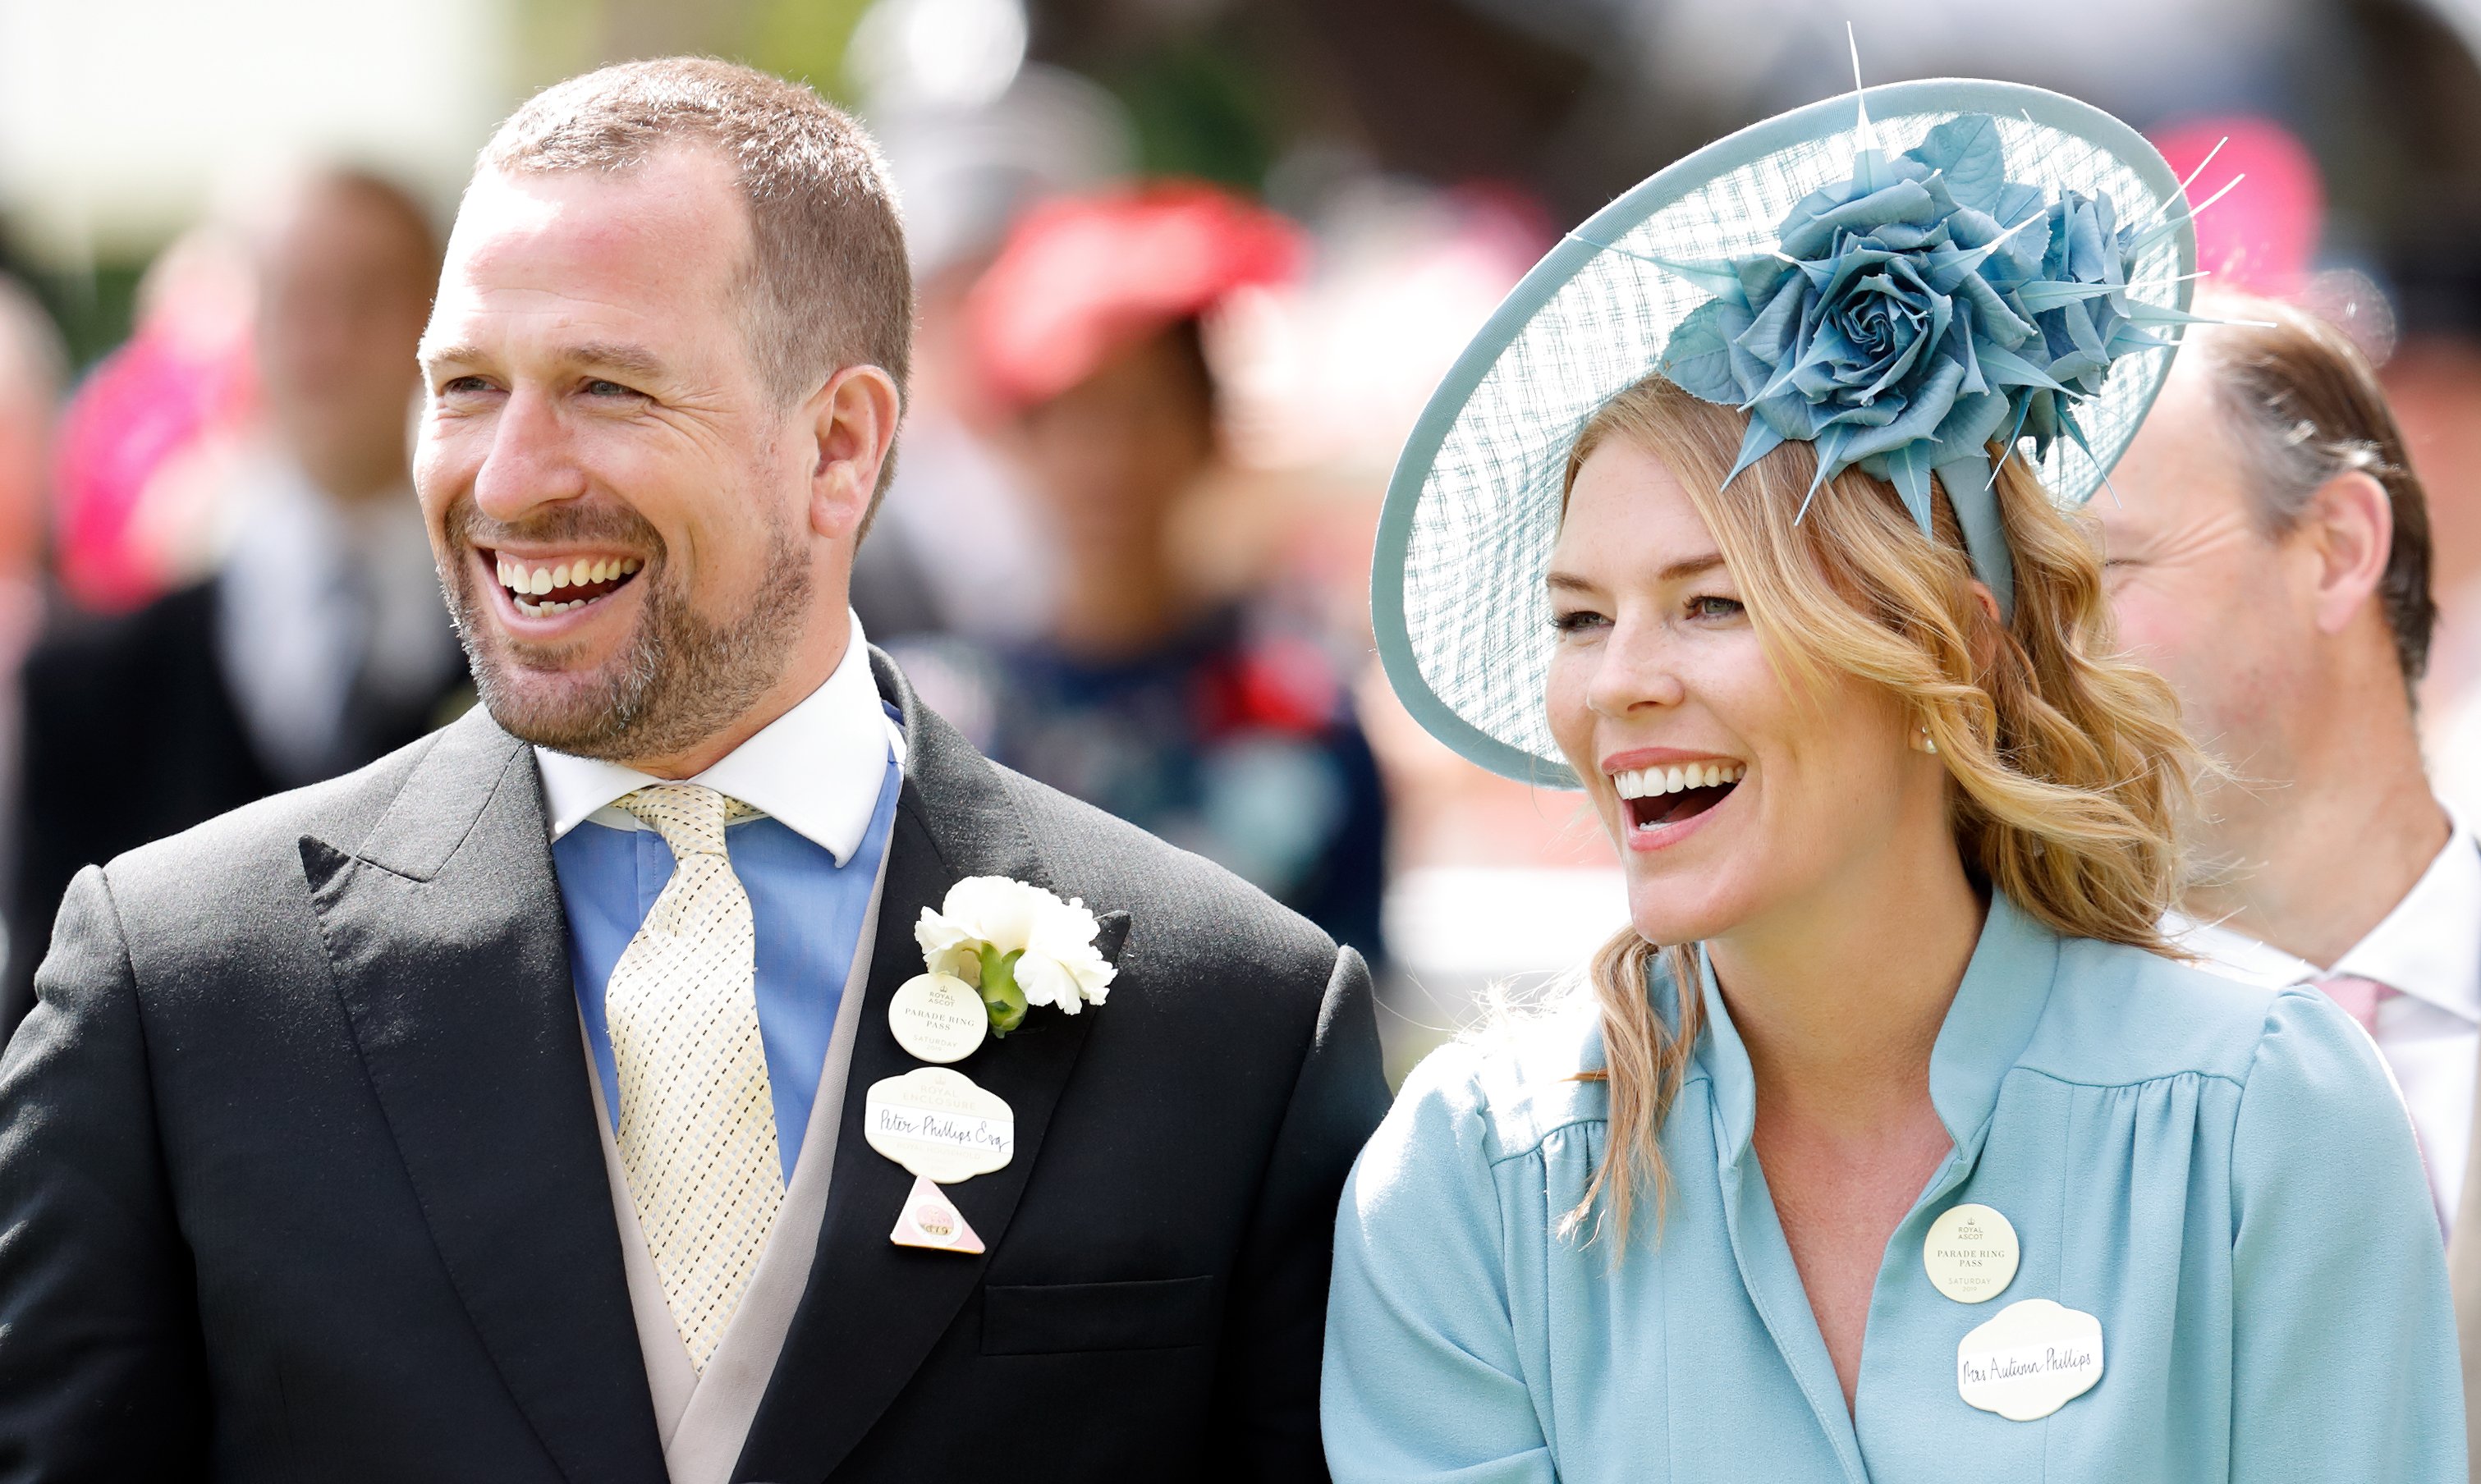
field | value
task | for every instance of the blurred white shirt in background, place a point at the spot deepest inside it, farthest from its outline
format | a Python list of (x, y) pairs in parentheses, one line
[(2428, 951)]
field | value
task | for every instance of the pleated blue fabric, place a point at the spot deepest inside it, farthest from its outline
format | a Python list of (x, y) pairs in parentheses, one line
[(2222, 1174)]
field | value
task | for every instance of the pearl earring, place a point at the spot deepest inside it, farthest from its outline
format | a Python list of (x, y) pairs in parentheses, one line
[(1923, 742)]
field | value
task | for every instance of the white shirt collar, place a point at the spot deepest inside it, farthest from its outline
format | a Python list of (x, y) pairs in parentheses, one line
[(2428, 948), (818, 768)]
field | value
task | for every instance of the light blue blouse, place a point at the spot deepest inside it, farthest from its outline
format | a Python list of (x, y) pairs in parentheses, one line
[(2222, 1174)]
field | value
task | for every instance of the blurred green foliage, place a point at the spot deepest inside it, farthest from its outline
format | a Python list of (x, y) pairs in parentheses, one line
[(1202, 100), (1203, 109), (93, 310), (803, 39)]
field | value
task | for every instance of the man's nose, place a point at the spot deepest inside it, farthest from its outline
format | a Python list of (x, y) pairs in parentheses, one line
[(529, 463), (1637, 667)]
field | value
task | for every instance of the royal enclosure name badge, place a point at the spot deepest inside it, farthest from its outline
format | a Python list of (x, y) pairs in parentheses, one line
[(939, 1125), (2030, 1360)]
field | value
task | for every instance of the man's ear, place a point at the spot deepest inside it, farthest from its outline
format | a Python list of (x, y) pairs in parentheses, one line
[(852, 418), (2350, 529)]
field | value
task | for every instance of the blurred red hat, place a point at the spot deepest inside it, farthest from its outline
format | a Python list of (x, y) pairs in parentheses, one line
[(1083, 278)]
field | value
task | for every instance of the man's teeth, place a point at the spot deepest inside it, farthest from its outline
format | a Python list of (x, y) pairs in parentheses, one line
[(523, 580), (1649, 782)]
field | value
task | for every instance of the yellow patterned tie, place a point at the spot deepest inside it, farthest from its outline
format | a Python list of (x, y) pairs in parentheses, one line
[(697, 1116)]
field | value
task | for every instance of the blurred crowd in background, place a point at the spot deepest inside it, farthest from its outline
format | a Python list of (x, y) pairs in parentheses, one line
[(1188, 272)]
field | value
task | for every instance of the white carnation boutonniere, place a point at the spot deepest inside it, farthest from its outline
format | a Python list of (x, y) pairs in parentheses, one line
[(1017, 946)]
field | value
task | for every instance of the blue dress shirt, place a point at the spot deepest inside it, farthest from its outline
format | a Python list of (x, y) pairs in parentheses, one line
[(805, 909), (824, 775), (2220, 1174)]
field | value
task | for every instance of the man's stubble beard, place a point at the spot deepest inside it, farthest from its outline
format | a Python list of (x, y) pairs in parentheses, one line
[(679, 680)]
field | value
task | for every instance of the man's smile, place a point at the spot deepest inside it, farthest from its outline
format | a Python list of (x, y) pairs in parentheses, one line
[(541, 586)]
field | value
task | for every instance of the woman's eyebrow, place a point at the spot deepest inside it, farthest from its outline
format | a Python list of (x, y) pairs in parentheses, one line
[(1677, 572)]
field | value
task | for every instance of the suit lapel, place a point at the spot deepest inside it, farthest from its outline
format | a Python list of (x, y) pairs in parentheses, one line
[(872, 1310), (448, 944)]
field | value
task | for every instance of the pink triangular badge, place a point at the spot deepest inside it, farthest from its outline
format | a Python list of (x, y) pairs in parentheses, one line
[(929, 1220)]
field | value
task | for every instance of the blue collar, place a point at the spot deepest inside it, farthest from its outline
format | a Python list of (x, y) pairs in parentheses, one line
[(2006, 986)]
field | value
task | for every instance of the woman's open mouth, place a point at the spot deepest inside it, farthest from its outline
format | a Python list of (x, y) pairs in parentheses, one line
[(1675, 792), (543, 587)]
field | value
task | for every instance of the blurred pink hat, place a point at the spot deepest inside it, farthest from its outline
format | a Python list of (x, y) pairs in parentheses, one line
[(1083, 278)]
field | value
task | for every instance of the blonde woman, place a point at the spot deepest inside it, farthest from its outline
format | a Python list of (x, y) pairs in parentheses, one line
[(1908, 1155)]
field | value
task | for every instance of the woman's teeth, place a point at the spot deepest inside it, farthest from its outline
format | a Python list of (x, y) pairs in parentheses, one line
[(1650, 782), (580, 581)]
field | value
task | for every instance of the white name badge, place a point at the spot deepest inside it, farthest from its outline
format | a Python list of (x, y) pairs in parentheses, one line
[(2028, 1360), (1971, 1254), (938, 1017), (938, 1125)]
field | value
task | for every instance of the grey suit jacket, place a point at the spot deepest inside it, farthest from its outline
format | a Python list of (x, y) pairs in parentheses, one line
[(300, 1176)]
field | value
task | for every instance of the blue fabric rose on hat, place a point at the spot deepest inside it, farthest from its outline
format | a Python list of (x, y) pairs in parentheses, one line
[(1917, 311)]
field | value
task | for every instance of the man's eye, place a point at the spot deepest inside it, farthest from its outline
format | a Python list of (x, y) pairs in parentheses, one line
[(599, 387), (463, 385)]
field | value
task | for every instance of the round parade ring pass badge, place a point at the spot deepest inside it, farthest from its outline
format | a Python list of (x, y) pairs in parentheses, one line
[(938, 1017), (1971, 1254), (939, 1125)]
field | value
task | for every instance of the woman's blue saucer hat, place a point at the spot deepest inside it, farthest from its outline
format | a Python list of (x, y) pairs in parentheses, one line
[(1981, 260), (1908, 316)]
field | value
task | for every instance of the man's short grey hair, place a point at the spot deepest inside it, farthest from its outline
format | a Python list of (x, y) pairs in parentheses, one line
[(828, 285), (2304, 407)]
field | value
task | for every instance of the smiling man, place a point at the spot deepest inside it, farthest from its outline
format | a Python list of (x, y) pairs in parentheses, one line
[(504, 1110)]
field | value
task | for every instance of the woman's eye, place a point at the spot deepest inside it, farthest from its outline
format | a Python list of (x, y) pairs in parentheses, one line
[(1711, 607), (1577, 621)]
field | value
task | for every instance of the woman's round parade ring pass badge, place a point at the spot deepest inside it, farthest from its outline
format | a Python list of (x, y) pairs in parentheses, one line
[(938, 1125), (2032, 1358), (938, 1017), (1971, 1254)]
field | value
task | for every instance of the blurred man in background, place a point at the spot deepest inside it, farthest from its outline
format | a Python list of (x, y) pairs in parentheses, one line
[(2269, 551), (1222, 726), (966, 172), (322, 642)]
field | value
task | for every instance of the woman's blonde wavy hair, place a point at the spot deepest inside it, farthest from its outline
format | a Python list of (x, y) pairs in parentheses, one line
[(2069, 764)]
